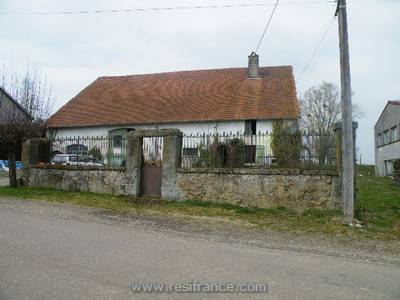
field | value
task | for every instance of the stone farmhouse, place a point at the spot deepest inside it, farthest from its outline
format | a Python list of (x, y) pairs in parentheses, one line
[(220, 100), (230, 101), (387, 139)]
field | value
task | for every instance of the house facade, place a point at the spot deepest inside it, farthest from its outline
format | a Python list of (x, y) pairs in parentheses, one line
[(387, 139), (219, 101)]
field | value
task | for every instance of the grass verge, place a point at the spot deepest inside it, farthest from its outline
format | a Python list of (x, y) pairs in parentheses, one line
[(378, 208)]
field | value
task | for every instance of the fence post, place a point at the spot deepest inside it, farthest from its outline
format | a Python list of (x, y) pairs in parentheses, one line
[(355, 126), (338, 140), (34, 151), (134, 162), (172, 157)]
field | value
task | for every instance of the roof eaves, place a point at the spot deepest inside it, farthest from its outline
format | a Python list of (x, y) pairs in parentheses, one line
[(391, 102), (15, 102)]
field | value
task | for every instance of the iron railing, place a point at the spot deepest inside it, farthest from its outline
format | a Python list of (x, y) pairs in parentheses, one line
[(256, 151), (110, 151), (212, 150)]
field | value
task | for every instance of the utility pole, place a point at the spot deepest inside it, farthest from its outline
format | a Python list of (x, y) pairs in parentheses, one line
[(347, 120)]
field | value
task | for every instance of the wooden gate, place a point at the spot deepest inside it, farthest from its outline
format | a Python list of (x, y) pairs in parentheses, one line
[(151, 172)]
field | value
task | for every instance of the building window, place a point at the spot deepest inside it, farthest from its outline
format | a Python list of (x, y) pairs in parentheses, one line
[(77, 149), (250, 154), (393, 134), (117, 141), (190, 151), (250, 127), (380, 141), (388, 167), (385, 137)]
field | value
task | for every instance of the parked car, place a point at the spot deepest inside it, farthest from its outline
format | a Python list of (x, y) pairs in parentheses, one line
[(75, 160), (5, 167)]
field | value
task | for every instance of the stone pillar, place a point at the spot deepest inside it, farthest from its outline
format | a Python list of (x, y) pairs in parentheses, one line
[(172, 157), (134, 162), (172, 147), (35, 151)]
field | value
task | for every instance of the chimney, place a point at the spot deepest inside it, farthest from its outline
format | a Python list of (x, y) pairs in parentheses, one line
[(254, 70)]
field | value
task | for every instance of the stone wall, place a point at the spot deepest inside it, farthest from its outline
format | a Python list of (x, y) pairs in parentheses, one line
[(115, 182), (262, 188)]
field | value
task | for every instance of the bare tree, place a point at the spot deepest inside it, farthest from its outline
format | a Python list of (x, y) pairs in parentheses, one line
[(33, 94), (31, 90), (12, 134), (320, 110)]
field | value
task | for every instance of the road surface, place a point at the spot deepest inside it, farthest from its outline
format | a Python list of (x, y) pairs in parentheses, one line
[(47, 255)]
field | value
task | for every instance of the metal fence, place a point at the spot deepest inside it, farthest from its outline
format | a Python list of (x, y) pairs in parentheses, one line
[(256, 151), (238, 150), (109, 151), (153, 150)]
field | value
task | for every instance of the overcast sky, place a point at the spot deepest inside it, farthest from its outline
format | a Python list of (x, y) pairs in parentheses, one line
[(76, 49)]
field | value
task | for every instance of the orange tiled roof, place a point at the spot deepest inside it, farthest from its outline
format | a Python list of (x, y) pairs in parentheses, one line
[(206, 95)]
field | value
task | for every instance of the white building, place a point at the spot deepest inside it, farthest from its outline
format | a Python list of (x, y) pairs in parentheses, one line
[(387, 139), (244, 100)]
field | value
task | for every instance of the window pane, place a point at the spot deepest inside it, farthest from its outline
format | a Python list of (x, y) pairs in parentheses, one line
[(247, 127), (117, 141), (386, 137), (190, 151), (250, 154), (77, 149), (393, 134), (380, 142)]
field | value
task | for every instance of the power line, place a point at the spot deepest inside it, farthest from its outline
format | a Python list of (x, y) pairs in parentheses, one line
[(131, 10), (316, 50), (266, 27)]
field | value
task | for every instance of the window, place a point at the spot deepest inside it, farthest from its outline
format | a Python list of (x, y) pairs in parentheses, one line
[(385, 137), (250, 127), (380, 140), (393, 134), (117, 141), (388, 167), (77, 149), (250, 154), (190, 151)]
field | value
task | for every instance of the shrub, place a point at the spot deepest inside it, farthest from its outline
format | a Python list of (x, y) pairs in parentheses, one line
[(286, 145), (96, 153), (396, 171), (229, 154)]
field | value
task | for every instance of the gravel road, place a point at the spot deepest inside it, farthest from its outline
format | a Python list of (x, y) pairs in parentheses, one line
[(57, 251)]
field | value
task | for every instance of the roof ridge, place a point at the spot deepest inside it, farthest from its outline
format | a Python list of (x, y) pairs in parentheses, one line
[(190, 71), (23, 109), (397, 102)]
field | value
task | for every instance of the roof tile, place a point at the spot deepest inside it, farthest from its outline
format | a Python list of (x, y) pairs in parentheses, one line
[(205, 95)]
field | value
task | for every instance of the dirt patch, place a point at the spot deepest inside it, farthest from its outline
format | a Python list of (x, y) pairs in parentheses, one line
[(3, 178)]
